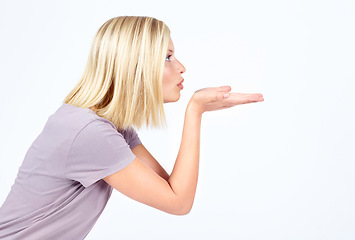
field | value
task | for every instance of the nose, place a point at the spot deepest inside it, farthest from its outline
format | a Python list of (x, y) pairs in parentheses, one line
[(182, 68)]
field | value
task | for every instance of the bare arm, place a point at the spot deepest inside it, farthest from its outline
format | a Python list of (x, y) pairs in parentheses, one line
[(144, 155), (141, 183), (183, 179), (140, 179)]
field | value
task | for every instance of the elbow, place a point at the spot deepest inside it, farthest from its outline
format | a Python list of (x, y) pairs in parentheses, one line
[(184, 209), (185, 212), (182, 205), (182, 212)]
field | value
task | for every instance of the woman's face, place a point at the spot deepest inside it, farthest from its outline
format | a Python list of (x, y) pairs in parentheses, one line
[(172, 75)]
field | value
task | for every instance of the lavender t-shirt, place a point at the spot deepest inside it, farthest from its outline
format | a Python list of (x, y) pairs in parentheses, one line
[(59, 192)]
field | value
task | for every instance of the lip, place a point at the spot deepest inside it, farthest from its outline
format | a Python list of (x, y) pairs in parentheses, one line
[(180, 82)]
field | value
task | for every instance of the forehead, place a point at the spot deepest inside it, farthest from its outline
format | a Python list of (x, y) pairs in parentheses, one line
[(171, 45)]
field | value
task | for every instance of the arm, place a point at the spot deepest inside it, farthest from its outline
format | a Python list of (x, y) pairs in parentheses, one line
[(144, 155), (183, 179), (175, 196)]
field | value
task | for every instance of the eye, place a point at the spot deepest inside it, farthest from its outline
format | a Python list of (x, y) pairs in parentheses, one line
[(168, 58)]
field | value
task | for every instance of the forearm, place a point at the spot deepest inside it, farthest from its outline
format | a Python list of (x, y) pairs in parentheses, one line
[(183, 179), (144, 155)]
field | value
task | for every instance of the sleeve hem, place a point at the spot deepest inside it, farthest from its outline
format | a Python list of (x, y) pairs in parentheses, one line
[(134, 144), (96, 177)]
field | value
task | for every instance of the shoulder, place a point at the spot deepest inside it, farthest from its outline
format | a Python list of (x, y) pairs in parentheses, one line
[(99, 129), (97, 139)]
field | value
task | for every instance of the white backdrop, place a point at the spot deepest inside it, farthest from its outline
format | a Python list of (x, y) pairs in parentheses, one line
[(279, 169)]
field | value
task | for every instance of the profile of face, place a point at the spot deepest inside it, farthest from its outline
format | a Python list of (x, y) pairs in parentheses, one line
[(172, 76)]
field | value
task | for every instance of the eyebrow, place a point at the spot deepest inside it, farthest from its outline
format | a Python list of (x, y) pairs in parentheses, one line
[(170, 50)]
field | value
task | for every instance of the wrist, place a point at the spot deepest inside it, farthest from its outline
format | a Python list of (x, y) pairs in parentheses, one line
[(194, 109)]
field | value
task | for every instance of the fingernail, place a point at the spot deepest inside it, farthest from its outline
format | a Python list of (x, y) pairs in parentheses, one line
[(226, 95)]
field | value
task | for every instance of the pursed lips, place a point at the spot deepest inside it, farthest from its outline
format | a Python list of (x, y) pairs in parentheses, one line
[(181, 81)]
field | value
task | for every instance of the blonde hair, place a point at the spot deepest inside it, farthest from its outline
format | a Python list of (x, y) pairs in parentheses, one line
[(122, 79)]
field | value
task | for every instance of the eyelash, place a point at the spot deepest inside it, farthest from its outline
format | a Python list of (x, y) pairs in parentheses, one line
[(168, 57)]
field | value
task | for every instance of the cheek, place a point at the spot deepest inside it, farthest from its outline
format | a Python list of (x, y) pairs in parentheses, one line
[(166, 74)]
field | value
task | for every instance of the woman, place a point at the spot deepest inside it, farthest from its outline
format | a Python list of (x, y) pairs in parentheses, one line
[(89, 146)]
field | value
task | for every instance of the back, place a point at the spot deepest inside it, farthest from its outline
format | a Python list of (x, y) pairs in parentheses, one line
[(59, 192)]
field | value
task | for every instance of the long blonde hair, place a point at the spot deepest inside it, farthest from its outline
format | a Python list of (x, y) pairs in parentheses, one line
[(122, 79)]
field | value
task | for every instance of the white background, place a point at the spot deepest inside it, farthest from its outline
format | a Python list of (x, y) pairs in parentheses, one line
[(279, 169)]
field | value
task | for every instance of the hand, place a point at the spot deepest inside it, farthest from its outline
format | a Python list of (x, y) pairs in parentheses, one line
[(217, 98)]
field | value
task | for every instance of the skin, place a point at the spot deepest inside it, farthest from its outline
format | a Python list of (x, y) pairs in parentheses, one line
[(144, 180), (172, 75), (205, 99)]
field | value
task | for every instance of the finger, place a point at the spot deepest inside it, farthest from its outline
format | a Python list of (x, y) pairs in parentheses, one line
[(245, 94), (257, 96), (242, 98), (225, 88), (226, 95)]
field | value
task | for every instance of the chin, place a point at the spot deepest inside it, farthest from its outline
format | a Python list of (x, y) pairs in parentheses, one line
[(172, 99)]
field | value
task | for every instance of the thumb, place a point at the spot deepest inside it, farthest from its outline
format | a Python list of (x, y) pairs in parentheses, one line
[(226, 95), (225, 88)]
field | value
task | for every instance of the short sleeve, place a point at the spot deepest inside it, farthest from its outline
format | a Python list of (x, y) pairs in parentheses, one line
[(97, 151), (131, 137)]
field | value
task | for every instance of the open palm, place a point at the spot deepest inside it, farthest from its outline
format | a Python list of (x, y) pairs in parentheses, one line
[(217, 98)]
